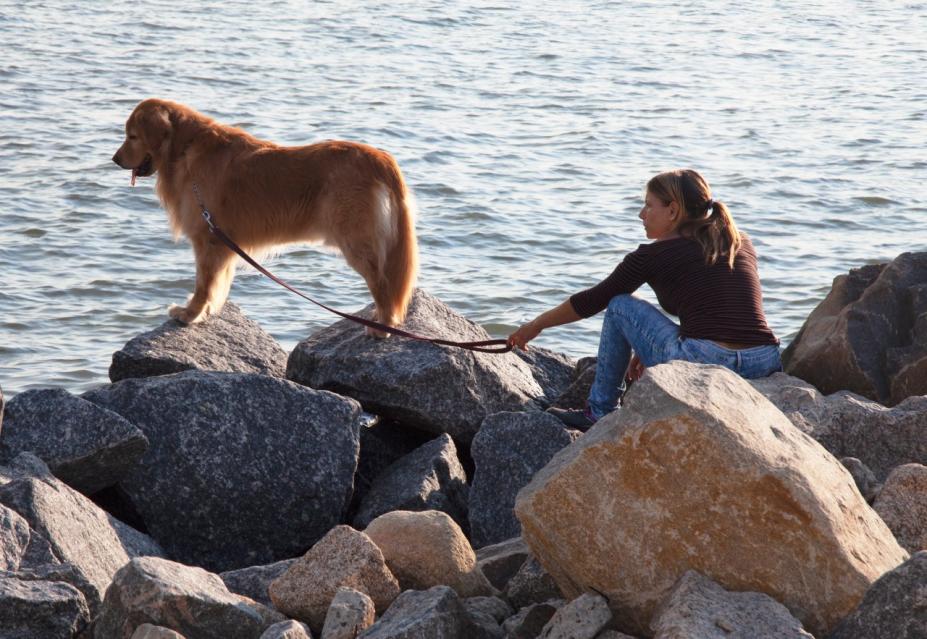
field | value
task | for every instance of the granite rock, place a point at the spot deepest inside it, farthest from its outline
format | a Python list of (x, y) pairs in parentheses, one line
[(429, 478), (425, 549), (553, 371), (698, 608), (902, 505), (350, 613), (439, 389), (576, 394), (849, 425), (869, 335), (500, 562), (507, 451), (85, 446), (77, 531), (260, 463), (530, 620), (895, 607), (253, 581), (185, 599), (531, 585), (288, 629), (865, 479), (149, 631), (228, 341), (699, 471), (343, 557), (41, 609), (582, 618), (436, 613)]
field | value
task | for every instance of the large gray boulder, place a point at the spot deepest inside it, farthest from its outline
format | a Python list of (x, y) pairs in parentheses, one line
[(78, 532), (500, 562), (507, 451), (698, 608), (85, 446), (242, 469), (185, 599), (552, 370), (40, 609), (228, 341), (429, 478), (869, 335), (581, 618), (849, 425), (435, 388), (14, 538), (436, 613), (60, 573), (895, 607)]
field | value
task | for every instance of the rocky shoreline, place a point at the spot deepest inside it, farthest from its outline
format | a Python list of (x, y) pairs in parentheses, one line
[(222, 488)]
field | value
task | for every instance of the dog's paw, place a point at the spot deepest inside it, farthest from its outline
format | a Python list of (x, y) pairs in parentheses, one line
[(182, 314), (378, 334)]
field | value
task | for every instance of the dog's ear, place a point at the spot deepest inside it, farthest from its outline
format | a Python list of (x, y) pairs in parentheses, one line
[(184, 126), (154, 126)]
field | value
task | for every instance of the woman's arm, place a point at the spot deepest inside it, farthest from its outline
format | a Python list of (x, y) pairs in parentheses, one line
[(562, 314)]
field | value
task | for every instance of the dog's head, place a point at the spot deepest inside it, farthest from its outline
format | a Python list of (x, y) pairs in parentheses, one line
[(152, 133)]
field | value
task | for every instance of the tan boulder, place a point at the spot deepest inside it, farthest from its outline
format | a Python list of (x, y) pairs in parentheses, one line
[(902, 504), (428, 548), (343, 557), (698, 471)]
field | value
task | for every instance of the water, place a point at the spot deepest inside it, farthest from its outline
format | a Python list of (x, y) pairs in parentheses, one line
[(527, 131)]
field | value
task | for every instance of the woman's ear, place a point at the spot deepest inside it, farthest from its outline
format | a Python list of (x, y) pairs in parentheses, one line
[(674, 210)]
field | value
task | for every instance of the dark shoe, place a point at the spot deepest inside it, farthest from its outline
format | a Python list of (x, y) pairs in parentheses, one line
[(580, 419)]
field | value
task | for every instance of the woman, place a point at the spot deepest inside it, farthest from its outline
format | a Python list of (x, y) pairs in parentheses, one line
[(702, 269)]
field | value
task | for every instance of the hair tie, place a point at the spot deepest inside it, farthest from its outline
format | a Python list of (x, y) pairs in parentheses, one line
[(710, 204)]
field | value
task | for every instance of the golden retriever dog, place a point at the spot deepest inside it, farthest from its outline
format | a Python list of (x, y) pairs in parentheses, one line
[(346, 195)]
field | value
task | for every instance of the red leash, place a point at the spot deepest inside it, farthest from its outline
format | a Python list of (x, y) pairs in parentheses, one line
[(486, 346)]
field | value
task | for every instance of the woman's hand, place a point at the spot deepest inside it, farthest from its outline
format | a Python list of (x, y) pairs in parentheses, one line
[(635, 369), (524, 334)]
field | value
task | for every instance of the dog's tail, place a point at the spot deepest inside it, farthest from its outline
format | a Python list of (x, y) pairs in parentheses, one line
[(400, 267)]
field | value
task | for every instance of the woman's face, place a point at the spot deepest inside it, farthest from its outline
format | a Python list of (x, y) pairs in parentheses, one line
[(660, 220)]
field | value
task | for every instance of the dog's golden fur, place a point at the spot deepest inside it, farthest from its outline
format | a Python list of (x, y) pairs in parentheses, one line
[(347, 195)]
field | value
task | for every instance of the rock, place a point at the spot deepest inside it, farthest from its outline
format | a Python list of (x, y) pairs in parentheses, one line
[(85, 446), (228, 341), (698, 608), (553, 371), (435, 388), (425, 549), (185, 599), (902, 505), (262, 464), (700, 471), (436, 613), (582, 618), (613, 634), (14, 538), (499, 562), (529, 621), (507, 451), (351, 612), (148, 631), (382, 444), (531, 584), (576, 394), (62, 573), (429, 478), (40, 609), (869, 335), (343, 557), (78, 532), (253, 582), (895, 607), (864, 478), (287, 630), (851, 426), (493, 607)]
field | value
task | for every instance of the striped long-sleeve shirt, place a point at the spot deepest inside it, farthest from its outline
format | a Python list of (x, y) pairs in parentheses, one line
[(712, 302)]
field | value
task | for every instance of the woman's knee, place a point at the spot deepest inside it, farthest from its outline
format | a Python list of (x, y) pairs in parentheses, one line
[(620, 304)]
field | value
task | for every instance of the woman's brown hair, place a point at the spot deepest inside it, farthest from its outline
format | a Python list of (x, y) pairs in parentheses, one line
[(705, 220)]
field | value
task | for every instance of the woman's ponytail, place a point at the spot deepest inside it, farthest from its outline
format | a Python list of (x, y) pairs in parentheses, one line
[(707, 221)]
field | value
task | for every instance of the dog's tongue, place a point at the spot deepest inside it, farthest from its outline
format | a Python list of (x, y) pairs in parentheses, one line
[(134, 175)]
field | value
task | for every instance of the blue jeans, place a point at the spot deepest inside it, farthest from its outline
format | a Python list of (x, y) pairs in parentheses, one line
[(632, 324)]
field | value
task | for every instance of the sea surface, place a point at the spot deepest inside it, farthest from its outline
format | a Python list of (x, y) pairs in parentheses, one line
[(526, 130)]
